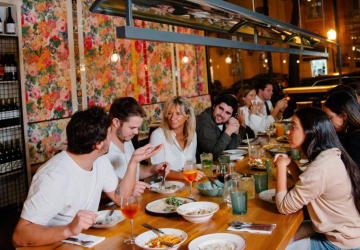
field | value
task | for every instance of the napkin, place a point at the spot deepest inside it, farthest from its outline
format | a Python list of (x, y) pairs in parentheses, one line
[(85, 237), (232, 228)]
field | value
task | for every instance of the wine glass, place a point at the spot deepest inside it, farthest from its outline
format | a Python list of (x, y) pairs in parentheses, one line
[(270, 129), (130, 208), (190, 173), (221, 172)]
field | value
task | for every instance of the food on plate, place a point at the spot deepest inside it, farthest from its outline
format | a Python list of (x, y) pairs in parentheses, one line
[(155, 242), (282, 138), (173, 202), (197, 211), (258, 162), (110, 220), (169, 188), (218, 246)]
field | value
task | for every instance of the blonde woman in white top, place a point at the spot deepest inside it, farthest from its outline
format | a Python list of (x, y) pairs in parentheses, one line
[(177, 133), (254, 114)]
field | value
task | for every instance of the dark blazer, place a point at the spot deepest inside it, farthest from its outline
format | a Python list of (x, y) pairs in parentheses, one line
[(210, 139)]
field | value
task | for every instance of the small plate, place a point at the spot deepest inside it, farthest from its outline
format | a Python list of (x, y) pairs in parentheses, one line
[(282, 139), (144, 238), (267, 195), (157, 207), (257, 142), (115, 218), (155, 187), (234, 152), (267, 147), (218, 241)]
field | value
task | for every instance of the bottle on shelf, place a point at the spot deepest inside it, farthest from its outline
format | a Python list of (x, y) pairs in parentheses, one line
[(1, 26), (17, 164), (6, 167), (2, 70), (12, 75), (10, 24), (3, 109), (2, 160), (6, 67)]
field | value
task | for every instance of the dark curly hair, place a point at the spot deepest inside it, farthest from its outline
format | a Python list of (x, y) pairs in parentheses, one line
[(320, 135), (86, 129), (125, 107)]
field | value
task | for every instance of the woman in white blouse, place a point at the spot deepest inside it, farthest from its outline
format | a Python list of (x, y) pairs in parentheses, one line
[(177, 133), (254, 117)]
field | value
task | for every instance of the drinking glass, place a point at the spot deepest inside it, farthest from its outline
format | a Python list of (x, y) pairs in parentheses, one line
[(190, 173), (261, 182), (254, 152), (130, 208), (270, 129), (207, 164), (248, 185), (238, 197), (221, 172)]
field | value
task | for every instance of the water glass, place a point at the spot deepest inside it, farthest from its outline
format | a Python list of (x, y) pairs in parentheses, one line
[(224, 159), (254, 152), (238, 197), (261, 182), (248, 185), (296, 154), (228, 185)]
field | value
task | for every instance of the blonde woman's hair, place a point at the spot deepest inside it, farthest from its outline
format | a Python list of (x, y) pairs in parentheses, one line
[(243, 92), (187, 110)]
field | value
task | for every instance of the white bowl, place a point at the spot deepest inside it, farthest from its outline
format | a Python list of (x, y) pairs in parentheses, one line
[(196, 206), (144, 238)]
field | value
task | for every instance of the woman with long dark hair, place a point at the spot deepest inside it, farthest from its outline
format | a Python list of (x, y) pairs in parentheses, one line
[(344, 112), (329, 187)]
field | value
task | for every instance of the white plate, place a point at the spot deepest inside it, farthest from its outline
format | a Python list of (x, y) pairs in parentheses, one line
[(157, 207), (221, 240), (302, 169), (179, 185), (234, 152), (115, 218), (267, 195)]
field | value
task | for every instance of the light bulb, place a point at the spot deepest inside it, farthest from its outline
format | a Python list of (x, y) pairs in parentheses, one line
[(114, 57), (297, 61), (185, 60), (284, 61), (331, 34), (228, 60), (266, 60)]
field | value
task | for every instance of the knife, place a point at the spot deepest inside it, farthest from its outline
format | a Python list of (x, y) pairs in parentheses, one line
[(157, 231)]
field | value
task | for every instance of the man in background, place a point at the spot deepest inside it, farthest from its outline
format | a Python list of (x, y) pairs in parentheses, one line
[(264, 92), (126, 117)]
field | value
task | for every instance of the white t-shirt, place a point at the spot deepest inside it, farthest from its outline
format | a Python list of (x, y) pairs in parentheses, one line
[(120, 160), (61, 188), (172, 153), (255, 121)]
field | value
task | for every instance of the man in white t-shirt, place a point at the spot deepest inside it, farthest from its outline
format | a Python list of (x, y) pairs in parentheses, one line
[(65, 192), (126, 117), (264, 91)]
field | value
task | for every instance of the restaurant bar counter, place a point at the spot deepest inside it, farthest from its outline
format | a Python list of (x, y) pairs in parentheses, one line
[(258, 211)]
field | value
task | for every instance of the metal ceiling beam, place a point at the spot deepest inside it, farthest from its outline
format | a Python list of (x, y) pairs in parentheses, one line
[(170, 37)]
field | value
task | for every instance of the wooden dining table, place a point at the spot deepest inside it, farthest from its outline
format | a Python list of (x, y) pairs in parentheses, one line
[(259, 211)]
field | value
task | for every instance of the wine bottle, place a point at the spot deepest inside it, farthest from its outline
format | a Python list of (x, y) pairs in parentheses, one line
[(13, 69), (3, 109), (7, 161), (10, 24), (12, 151), (2, 70), (1, 26), (9, 110), (18, 150), (6, 67), (15, 107), (2, 160)]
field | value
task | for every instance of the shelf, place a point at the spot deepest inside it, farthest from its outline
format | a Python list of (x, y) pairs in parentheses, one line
[(11, 81), (11, 172), (11, 122), (8, 35)]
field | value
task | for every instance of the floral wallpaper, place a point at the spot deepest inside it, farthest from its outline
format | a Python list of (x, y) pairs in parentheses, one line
[(144, 71), (45, 138), (46, 59), (193, 73)]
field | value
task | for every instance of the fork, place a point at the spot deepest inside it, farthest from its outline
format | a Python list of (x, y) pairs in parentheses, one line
[(82, 242), (162, 184)]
